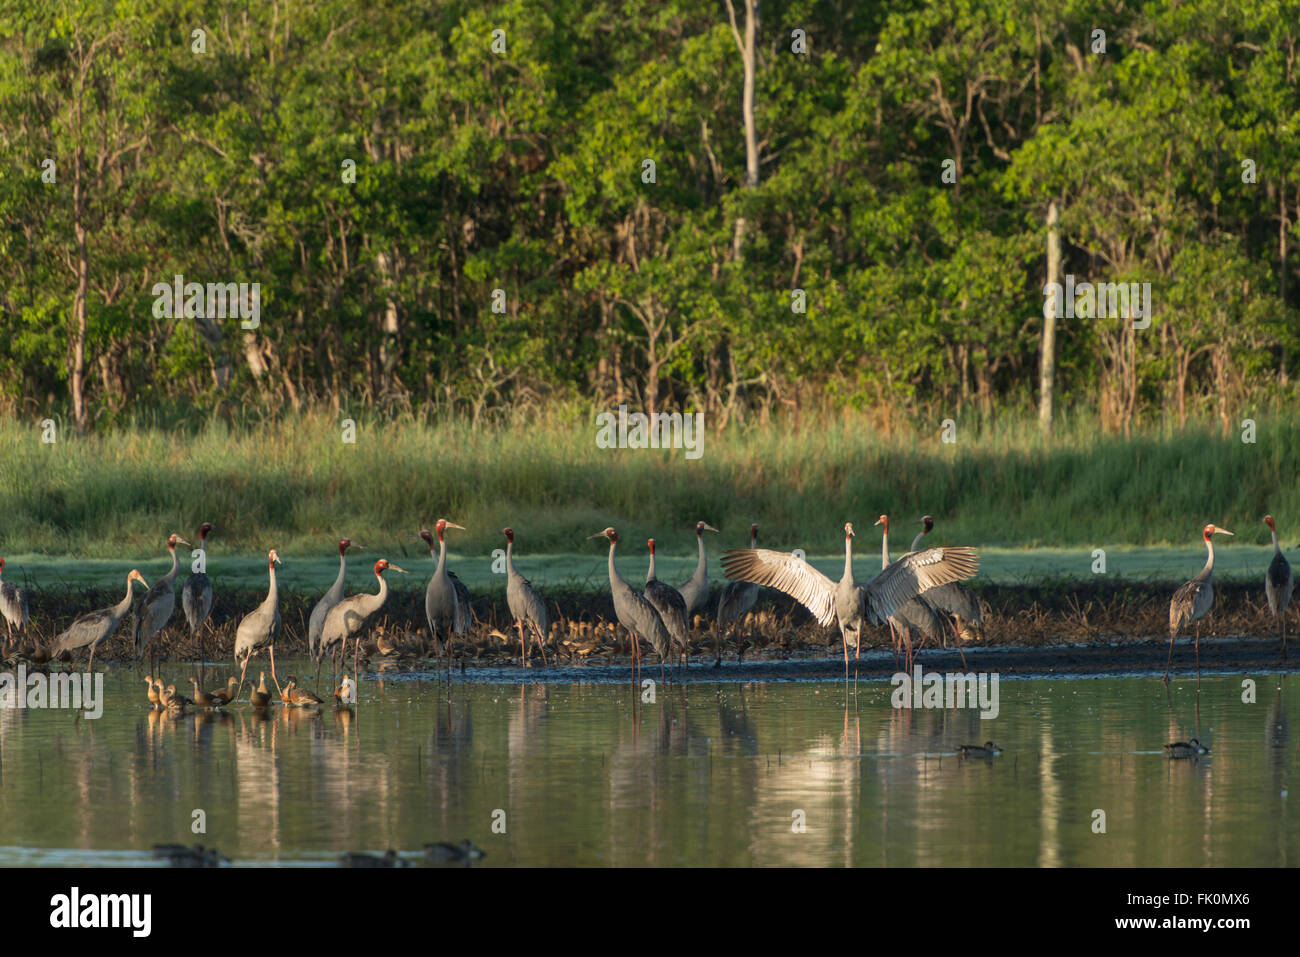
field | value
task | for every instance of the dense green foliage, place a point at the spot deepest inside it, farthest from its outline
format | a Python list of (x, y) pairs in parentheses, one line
[(521, 171)]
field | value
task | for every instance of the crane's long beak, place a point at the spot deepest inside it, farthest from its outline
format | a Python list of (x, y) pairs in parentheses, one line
[(710, 528), (397, 569), (876, 522), (181, 541), (597, 535), (1224, 530), (454, 525)]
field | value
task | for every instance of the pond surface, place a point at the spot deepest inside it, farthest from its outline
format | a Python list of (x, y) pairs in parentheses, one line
[(583, 772)]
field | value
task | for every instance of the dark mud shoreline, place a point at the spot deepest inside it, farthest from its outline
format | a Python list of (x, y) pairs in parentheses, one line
[(1087, 628)]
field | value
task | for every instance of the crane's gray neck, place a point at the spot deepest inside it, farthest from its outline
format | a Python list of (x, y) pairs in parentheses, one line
[(884, 548), (702, 566), (442, 555), (510, 558), (614, 576), (1276, 549), (343, 568), (171, 575), (123, 606), (1209, 561), (848, 559), (753, 539), (377, 600), (916, 542), (273, 593), (650, 575)]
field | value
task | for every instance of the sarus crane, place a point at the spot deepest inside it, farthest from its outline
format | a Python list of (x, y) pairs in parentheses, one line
[(695, 590), (526, 606), (347, 619), (1193, 600), (1278, 583), (331, 598), (155, 608), (446, 600), (13, 604), (94, 627), (917, 614), (849, 602), (196, 595), (670, 604), (736, 601), (953, 598), (261, 626), (632, 610)]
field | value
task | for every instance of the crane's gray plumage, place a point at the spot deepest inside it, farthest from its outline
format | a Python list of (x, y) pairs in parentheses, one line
[(634, 613), (526, 606), (13, 604), (695, 591), (670, 604), (347, 619), (1278, 582), (1194, 599), (847, 601), (316, 623), (154, 610), (446, 600), (261, 626), (953, 598), (196, 595), (94, 627), (738, 597)]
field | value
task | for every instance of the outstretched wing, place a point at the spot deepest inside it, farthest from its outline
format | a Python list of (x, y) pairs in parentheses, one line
[(912, 574), (786, 572)]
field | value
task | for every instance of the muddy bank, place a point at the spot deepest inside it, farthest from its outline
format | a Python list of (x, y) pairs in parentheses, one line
[(1086, 627)]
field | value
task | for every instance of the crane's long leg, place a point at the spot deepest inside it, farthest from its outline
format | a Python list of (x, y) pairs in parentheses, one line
[(90, 666), (273, 677), (957, 637), (523, 648), (1170, 657), (242, 673), (1198, 655)]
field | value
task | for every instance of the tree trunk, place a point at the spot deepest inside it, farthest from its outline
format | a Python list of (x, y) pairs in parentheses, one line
[(1047, 368), (746, 47)]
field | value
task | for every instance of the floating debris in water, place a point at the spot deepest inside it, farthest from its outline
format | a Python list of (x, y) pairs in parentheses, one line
[(387, 859), (178, 855), (986, 750), (465, 852), (1186, 749)]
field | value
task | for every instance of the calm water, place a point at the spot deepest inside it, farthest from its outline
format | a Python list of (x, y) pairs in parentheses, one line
[(709, 774)]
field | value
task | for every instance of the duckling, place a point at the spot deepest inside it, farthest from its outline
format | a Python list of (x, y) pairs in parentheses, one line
[(260, 698), (387, 646), (174, 701), (975, 751), (178, 855), (1186, 749), (226, 695), (201, 697), (465, 852), (154, 699), (346, 693), (299, 697)]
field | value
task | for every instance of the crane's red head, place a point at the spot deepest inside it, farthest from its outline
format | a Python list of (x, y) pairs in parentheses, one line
[(1268, 520), (204, 529), (2, 564), (384, 564), (428, 537), (702, 527), (884, 520), (442, 525), (344, 545), (651, 543), (928, 523), (509, 533), (174, 540), (272, 559), (1214, 530), (609, 534), (848, 529)]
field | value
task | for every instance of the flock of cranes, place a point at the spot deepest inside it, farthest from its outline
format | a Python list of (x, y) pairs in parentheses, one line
[(918, 592)]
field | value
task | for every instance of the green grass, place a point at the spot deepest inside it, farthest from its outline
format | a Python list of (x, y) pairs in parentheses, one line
[(293, 485)]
